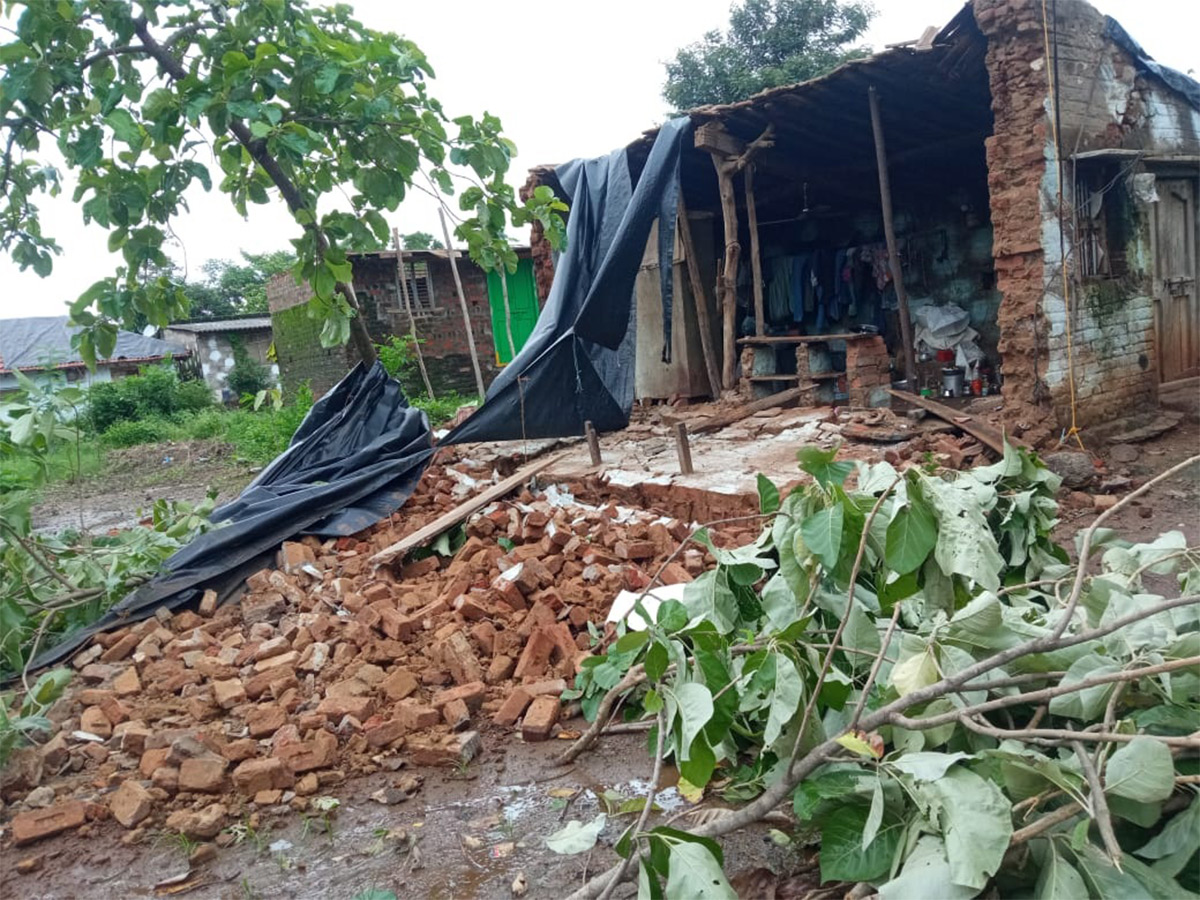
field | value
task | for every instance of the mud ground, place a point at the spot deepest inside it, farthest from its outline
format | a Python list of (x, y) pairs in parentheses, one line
[(131, 480), (465, 834)]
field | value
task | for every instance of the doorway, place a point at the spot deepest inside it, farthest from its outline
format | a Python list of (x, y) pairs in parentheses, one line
[(1176, 302)]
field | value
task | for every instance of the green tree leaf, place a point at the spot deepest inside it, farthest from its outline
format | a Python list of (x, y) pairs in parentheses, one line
[(842, 855), (822, 532), (820, 465), (976, 821), (695, 874), (575, 837), (911, 536), (768, 495), (695, 706), (926, 874), (785, 700), (1057, 879), (1141, 770)]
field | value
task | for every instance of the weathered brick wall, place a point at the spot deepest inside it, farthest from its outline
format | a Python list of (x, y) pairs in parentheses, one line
[(441, 329), (1103, 103), (1016, 156)]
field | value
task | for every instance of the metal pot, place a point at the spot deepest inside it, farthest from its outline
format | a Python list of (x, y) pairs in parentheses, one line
[(952, 381)]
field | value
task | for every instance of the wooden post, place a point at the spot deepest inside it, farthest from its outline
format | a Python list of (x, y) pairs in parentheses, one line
[(593, 442), (733, 252), (402, 290), (682, 448), (462, 299), (755, 255), (700, 299), (889, 232)]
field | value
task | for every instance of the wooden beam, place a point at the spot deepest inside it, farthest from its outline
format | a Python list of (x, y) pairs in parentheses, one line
[(755, 254), (451, 518), (981, 431), (713, 137), (889, 233), (683, 449), (593, 443), (723, 420), (699, 299), (728, 281)]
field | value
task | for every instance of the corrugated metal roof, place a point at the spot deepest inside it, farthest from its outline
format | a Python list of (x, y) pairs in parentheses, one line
[(44, 342), (207, 326)]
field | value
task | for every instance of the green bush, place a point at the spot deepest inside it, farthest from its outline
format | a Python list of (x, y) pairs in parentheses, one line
[(140, 431), (193, 396), (442, 409), (261, 435), (247, 376), (204, 425), (156, 392)]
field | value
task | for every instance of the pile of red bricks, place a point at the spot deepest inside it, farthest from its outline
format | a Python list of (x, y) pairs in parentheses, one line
[(327, 668)]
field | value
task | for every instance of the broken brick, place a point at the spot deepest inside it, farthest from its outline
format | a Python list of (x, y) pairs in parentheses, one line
[(263, 721), (229, 694), (443, 750), (500, 669), (381, 733), (513, 707), (460, 659), (304, 756), (335, 708), (536, 656), (127, 683), (36, 824), (130, 804), (204, 775), (416, 717), (540, 718), (254, 775), (398, 684), (471, 694)]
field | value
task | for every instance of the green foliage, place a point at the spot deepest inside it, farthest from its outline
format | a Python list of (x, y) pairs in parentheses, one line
[(230, 289), (299, 99), (768, 43), (154, 393), (953, 569), (398, 357), (248, 375), (131, 432), (261, 435), (420, 240)]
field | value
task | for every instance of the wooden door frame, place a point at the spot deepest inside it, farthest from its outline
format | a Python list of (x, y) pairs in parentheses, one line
[(1173, 172)]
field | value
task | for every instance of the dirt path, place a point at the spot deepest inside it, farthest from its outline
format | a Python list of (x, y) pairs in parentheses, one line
[(132, 479)]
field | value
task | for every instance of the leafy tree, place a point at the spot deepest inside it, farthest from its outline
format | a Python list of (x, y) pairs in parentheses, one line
[(768, 43), (420, 240), (275, 101), (229, 289)]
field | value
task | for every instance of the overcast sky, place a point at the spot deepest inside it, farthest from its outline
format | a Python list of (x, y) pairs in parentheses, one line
[(567, 80)]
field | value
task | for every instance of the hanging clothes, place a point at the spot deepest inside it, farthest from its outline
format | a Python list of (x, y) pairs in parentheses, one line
[(779, 288)]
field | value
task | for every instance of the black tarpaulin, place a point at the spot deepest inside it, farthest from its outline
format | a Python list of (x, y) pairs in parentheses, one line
[(577, 365)]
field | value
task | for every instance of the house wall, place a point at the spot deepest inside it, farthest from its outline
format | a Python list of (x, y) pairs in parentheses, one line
[(1107, 339), (214, 353), (75, 377), (441, 329)]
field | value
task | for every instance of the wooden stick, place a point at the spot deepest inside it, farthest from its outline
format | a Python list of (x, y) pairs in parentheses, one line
[(402, 289), (981, 431), (451, 518), (889, 233), (512, 345), (718, 422), (700, 300), (683, 449), (755, 256), (728, 282), (593, 442), (462, 299)]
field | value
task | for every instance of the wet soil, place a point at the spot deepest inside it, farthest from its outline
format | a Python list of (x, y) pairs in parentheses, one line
[(132, 479), (463, 835)]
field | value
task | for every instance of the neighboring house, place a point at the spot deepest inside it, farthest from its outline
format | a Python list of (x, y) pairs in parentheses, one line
[(436, 309), (212, 343), (40, 347), (1083, 306)]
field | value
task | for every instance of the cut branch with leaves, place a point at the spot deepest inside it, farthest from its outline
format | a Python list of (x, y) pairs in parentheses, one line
[(958, 683)]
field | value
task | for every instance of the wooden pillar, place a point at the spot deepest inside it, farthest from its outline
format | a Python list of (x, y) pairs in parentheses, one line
[(728, 281), (755, 254), (402, 289), (889, 232), (700, 299), (462, 299)]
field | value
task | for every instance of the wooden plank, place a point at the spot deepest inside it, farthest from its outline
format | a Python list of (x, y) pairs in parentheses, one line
[(713, 137), (723, 420), (981, 431), (451, 518), (803, 338), (699, 300)]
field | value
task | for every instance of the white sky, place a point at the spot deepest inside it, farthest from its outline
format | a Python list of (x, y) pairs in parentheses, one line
[(567, 80)]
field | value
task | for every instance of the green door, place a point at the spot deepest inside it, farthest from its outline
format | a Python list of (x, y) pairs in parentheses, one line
[(522, 304)]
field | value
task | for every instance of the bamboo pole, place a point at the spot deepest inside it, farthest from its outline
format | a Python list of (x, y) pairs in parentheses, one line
[(402, 290), (462, 299), (755, 255), (889, 232), (700, 300), (512, 345)]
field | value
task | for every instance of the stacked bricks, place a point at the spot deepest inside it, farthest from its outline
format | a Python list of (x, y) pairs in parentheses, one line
[(868, 372)]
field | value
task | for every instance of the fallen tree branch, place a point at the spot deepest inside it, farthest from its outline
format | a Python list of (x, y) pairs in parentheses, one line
[(1099, 811), (1054, 736)]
